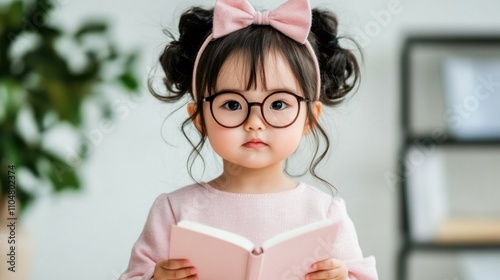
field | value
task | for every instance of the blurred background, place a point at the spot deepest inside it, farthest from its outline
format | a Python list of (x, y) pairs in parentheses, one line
[(417, 160)]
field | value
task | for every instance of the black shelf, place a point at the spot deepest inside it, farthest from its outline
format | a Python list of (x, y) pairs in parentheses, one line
[(450, 39), (410, 139), (453, 247), (448, 141)]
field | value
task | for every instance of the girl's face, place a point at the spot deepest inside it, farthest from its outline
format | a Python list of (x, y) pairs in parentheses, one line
[(255, 144)]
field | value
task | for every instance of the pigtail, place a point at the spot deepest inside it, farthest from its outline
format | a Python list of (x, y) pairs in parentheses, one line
[(339, 67), (177, 59)]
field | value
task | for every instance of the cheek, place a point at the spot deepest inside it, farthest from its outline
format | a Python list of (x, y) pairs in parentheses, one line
[(289, 138), (220, 141), (218, 136)]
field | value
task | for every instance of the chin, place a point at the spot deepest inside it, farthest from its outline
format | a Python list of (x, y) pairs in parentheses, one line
[(257, 164)]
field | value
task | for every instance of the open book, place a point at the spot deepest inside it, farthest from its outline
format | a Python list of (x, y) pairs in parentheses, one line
[(218, 254)]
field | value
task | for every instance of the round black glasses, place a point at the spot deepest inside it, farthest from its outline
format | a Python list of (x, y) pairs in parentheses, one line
[(231, 109)]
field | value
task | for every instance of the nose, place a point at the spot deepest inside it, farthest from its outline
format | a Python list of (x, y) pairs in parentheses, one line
[(255, 120)]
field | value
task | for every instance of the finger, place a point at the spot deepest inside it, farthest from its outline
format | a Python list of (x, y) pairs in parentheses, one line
[(333, 274), (183, 273), (174, 264), (326, 264), (192, 277)]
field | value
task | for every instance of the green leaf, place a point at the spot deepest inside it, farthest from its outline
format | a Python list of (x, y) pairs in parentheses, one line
[(12, 96), (31, 166), (25, 198), (128, 80), (113, 52), (50, 32), (14, 15), (91, 27), (13, 149), (62, 175), (131, 60)]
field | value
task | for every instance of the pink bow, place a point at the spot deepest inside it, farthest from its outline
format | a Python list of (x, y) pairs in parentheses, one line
[(292, 18)]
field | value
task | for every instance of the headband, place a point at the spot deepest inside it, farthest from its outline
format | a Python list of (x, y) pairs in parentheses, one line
[(292, 18)]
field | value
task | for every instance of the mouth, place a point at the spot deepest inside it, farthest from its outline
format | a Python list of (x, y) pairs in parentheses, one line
[(255, 143)]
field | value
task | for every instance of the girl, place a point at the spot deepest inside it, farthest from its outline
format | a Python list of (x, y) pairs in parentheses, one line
[(258, 81)]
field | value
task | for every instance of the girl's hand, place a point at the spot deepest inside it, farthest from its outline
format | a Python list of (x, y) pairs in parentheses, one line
[(174, 269), (328, 269)]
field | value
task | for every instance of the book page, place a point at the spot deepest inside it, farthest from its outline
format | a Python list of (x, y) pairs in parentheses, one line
[(295, 232), (218, 233), (213, 257), (290, 255)]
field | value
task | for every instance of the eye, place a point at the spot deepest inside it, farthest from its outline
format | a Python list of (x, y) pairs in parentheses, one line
[(278, 105), (232, 105)]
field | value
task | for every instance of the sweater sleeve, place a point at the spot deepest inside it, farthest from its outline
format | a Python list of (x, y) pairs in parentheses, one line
[(346, 246), (153, 243)]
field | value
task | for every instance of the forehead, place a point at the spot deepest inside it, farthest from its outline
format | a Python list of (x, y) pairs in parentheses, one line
[(276, 73)]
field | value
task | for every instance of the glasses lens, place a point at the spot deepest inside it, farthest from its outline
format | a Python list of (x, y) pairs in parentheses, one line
[(229, 109), (280, 109)]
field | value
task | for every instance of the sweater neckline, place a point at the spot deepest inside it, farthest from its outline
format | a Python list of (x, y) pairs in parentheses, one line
[(297, 188)]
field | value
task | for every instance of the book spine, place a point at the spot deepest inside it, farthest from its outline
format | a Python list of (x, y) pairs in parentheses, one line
[(254, 265)]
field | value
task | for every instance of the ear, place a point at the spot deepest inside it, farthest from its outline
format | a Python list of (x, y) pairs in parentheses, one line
[(191, 108), (317, 108)]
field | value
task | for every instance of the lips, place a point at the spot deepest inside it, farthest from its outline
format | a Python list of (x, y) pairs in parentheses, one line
[(255, 143)]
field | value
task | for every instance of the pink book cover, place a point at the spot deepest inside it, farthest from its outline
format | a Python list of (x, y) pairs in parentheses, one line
[(218, 254)]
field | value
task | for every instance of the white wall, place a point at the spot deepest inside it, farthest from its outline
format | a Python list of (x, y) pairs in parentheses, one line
[(89, 235)]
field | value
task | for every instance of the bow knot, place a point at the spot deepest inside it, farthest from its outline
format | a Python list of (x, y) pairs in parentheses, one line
[(261, 18), (292, 18)]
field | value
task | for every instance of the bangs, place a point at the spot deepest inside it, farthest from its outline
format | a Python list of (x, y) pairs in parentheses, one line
[(251, 46)]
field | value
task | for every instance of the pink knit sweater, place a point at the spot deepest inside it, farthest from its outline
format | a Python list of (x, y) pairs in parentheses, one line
[(257, 217)]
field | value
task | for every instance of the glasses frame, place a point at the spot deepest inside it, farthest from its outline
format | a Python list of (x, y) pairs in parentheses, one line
[(250, 104)]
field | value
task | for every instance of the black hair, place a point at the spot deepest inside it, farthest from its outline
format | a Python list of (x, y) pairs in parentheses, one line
[(339, 67)]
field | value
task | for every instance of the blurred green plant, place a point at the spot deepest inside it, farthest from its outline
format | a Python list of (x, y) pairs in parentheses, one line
[(36, 77)]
